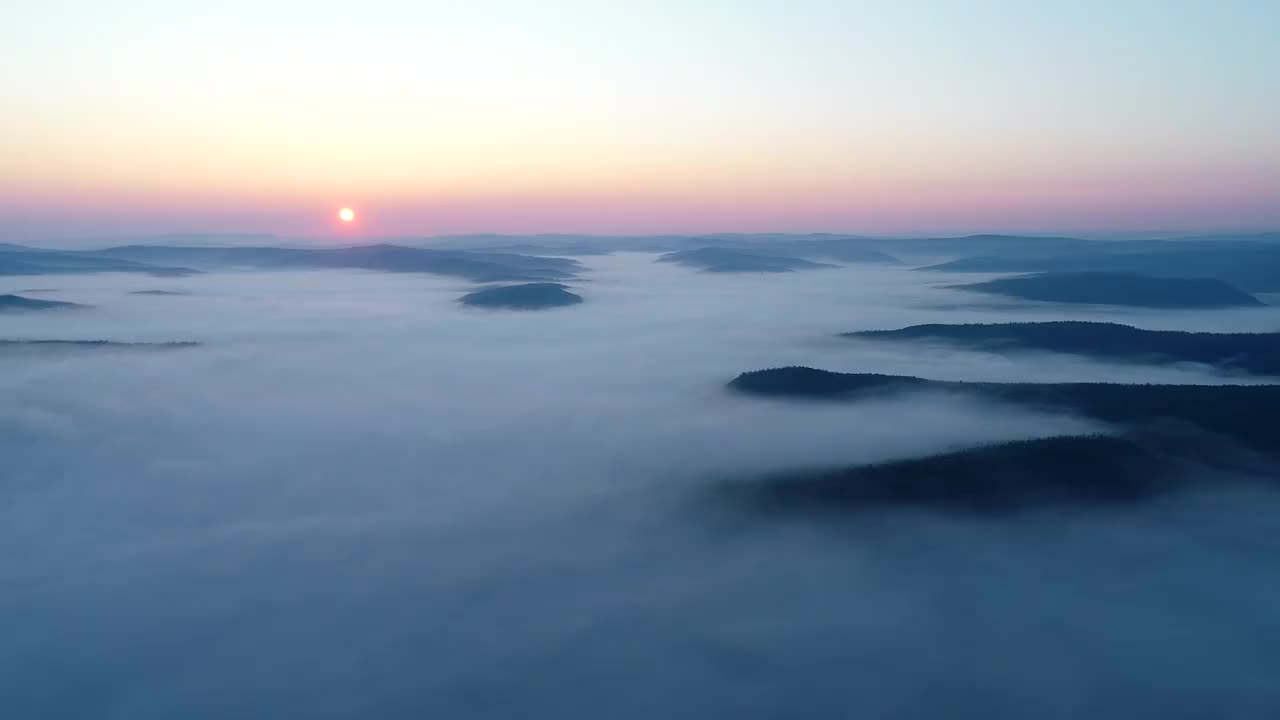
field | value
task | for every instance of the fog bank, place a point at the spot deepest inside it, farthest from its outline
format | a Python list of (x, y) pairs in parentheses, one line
[(360, 499)]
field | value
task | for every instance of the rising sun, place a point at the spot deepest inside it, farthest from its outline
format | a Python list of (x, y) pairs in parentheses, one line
[(346, 214)]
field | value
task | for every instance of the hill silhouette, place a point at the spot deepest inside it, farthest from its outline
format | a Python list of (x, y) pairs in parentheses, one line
[(725, 260), (1257, 353), (530, 296), (1113, 288), (17, 303), (17, 346), (17, 260), (1250, 264), (475, 266), (1248, 414), (1071, 471)]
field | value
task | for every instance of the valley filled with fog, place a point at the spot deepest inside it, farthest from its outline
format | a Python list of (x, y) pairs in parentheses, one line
[(357, 497)]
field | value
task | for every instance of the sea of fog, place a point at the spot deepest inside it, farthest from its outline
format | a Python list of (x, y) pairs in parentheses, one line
[(359, 499)]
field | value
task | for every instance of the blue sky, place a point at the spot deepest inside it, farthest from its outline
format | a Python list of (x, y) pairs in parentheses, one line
[(436, 117)]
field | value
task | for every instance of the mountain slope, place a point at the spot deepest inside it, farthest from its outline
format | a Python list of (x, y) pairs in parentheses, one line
[(30, 261), (17, 303), (725, 260), (530, 296), (1113, 288), (475, 266), (1251, 352), (1248, 414), (1253, 266)]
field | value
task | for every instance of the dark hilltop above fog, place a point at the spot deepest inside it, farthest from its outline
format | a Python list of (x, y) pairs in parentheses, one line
[(1250, 262), (846, 250), (1084, 470), (32, 261), (173, 260), (1257, 353), (475, 266), (801, 382), (8, 347), (17, 303), (723, 260), (1166, 437), (1250, 414), (530, 296), (1218, 256), (1108, 288), (841, 247), (157, 292)]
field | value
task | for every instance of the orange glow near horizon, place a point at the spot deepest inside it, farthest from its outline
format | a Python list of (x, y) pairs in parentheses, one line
[(878, 122)]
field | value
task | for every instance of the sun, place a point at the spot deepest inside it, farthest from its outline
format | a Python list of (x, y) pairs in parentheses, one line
[(346, 215)]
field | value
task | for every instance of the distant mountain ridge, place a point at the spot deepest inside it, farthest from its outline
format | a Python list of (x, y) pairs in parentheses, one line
[(17, 303), (725, 260), (30, 261), (1250, 261), (1115, 288), (1250, 264), (1249, 414), (11, 346), (177, 260), (1250, 352), (842, 247), (475, 266)]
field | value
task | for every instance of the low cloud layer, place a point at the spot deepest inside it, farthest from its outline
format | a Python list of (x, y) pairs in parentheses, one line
[(359, 498)]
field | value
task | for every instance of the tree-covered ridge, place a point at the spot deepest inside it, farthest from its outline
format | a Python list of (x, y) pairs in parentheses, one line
[(529, 296), (475, 266), (1250, 262), (1116, 288), (31, 261), (18, 303), (1249, 414), (174, 260), (22, 346), (1257, 353), (1000, 478), (727, 260)]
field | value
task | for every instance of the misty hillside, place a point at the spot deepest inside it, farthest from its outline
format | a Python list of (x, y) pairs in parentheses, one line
[(1041, 473), (17, 303), (34, 346), (823, 246), (530, 296), (846, 250), (724, 260), (1257, 353), (475, 266), (1253, 266), (16, 260), (967, 245), (550, 249), (1113, 288), (1249, 414)]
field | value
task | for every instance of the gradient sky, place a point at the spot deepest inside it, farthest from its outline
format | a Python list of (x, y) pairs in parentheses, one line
[(140, 116)]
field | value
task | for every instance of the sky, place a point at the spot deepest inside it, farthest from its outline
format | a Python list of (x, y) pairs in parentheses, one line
[(431, 117)]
